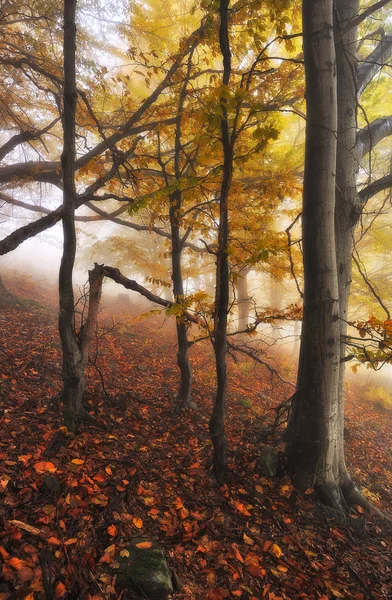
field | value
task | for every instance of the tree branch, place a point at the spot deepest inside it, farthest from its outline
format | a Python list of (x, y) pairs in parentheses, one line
[(374, 62), (369, 137), (384, 183)]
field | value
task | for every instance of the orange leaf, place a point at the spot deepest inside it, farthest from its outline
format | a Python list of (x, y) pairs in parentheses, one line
[(178, 503), (276, 551), (144, 545), (108, 470), (112, 530), (24, 458), (3, 552), (237, 553), (77, 461), (45, 466), (70, 541), (237, 593), (137, 521), (54, 541), (60, 590), (16, 563), (248, 540), (241, 508)]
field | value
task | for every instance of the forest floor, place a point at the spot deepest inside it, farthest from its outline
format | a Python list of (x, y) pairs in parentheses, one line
[(69, 502)]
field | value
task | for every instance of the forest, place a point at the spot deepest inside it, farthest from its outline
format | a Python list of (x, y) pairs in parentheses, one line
[(195, 324)]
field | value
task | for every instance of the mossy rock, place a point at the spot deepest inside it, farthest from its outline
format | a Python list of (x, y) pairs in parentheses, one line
[(145, 570), (269, 462)]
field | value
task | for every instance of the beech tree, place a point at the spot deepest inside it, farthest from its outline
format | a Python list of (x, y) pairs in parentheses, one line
[(332, 206)]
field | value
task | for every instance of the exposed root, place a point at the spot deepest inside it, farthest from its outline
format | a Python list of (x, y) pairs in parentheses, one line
[(354, 497), (343, 498)]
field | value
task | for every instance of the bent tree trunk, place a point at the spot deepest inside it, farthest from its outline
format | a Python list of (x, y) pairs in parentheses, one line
[(312, 436)]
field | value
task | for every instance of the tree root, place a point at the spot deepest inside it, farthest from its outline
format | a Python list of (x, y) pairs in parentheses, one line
[(343, 498)]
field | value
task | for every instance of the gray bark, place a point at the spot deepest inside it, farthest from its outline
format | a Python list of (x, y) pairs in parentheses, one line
[(374, 62), (312, 430)]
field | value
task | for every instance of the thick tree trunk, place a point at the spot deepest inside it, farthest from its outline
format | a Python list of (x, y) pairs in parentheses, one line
[(73, 372), (313, 425), (217, 420)]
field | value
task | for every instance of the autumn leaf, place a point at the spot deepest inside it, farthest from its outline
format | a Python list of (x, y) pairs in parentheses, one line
[(144, 545), (248, 540), (77, 461), (45, 467), (60, 590), (241, 508), (276, 550), (138, 522), (54, 541), (16, 563), (112, 530)]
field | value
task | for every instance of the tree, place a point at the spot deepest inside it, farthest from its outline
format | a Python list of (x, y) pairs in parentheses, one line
[(315, 445), (312, 430), (216, 424)]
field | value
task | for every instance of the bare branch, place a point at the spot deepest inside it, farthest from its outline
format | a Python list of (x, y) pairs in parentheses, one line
[(369, 137), (374, 62), (384, 183)]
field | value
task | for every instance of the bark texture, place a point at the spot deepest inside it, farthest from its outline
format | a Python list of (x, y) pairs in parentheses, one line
[(217, 420), (313, 425), (73, 377), (185, 386)]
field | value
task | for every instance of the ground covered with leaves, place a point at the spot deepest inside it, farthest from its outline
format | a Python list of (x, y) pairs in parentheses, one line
[(70, 502)]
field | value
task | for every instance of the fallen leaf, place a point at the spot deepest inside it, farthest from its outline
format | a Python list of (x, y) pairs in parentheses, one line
[(137, 521), (60, 590), (144, 545), (16, 563), (45, 466), (248, 540), (112, 530)]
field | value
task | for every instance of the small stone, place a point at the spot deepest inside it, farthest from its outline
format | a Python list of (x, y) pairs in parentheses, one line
[(144, 570), (191, 404), (269, 461)]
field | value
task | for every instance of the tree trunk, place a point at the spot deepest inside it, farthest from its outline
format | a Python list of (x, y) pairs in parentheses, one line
[(6, 298), (313, 424), (243, 299), (185, 387), (217, 420), (73, 372), (347, 201)]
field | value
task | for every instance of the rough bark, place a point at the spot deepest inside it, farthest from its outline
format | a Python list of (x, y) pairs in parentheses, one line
[(73, 372), (312, 429), (217, 420)]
